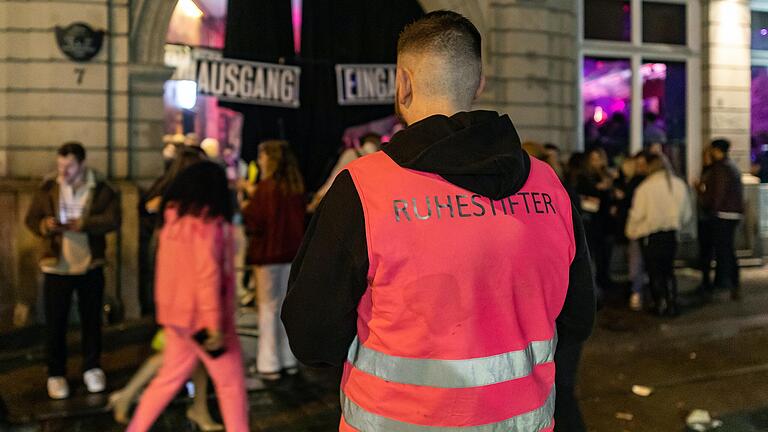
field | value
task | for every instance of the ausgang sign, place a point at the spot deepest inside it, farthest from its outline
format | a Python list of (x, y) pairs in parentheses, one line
[(248, 82), (365, 84)]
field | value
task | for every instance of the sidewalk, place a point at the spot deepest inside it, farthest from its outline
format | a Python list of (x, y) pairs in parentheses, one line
[(713, 357)]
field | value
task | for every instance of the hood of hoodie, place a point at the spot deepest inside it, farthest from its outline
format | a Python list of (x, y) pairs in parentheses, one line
[(478, 150)]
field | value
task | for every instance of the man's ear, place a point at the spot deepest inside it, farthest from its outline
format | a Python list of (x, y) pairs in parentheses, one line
[(404, 87), (480, 87)]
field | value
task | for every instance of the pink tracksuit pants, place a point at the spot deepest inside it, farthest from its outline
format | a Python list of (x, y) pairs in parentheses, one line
[(180, 358)]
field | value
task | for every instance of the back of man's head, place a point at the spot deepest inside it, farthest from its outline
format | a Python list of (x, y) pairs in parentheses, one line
[(443, 49)]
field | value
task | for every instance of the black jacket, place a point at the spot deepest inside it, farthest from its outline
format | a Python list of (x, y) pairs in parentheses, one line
[(479, 151), (723, 191)]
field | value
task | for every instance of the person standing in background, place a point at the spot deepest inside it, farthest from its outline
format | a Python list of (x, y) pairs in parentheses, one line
[(274, 221), (595, 188), (369, 143), (72, 211), (660, 207), (633, 171), (704, 228), (722, 197)]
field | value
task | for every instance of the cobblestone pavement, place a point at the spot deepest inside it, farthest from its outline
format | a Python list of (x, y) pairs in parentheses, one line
[(713, 357)]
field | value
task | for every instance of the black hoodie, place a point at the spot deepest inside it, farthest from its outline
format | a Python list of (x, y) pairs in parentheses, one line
[(478, 151)]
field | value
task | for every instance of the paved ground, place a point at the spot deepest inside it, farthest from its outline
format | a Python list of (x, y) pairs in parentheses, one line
[(714, 357)]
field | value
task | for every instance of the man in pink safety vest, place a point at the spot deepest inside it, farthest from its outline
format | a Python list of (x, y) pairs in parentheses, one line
[(444, 271)]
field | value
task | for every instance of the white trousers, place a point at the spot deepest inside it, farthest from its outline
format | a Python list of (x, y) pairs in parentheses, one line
[(271, 286)]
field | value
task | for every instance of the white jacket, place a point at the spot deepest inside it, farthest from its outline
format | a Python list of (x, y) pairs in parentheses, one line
[(658, 205)]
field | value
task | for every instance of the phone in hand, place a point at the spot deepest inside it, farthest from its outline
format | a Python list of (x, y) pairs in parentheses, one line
[(200, 337)]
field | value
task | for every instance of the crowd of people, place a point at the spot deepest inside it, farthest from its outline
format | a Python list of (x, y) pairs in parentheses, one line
[(641, 204), (197, 213), (395, 302)]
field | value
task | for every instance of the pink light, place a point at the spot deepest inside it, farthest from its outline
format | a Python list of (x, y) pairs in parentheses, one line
[(600, 115), (296, 21), (764, 32)]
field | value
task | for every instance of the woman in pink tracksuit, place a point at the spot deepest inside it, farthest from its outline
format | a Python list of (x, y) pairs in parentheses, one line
[(195, 291)]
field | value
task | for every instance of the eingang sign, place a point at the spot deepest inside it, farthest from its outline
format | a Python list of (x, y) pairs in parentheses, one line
[(365, 84)]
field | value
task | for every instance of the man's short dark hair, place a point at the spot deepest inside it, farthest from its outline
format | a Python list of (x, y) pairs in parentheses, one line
[(72, 148), (722, 144), (443, 31), (453, 39)]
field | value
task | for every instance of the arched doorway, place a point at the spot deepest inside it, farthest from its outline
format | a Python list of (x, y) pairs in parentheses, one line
[(151, 20)]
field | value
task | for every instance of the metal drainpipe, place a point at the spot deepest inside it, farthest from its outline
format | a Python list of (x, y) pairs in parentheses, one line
[(110, 86), (111, 155)]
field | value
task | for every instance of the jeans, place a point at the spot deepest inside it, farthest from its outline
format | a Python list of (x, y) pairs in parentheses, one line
[(727, 270), (57, 292), (659, 250), (271, 286)]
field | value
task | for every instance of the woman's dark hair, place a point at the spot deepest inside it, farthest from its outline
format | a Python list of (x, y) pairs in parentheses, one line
[(186, 156), (200, 190)]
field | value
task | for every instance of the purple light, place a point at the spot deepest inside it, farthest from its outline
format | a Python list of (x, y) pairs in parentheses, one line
[(764, 32)]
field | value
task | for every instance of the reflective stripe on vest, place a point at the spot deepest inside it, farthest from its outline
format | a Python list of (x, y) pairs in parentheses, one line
[(452, 373), (362, 420)]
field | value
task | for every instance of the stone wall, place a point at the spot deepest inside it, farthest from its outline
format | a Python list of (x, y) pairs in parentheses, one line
[(46, 98), (530, 58), (727, 79), (533, 75), (21, 280)]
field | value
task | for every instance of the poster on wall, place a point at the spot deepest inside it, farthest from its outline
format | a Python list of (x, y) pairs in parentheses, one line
[(236, 81), (365, 84)]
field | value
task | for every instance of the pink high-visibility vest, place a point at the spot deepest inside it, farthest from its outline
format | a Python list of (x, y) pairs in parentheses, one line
[(456, 330)]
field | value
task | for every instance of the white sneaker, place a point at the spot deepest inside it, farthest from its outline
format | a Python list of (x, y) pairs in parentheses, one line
[(95, 380), (58, 387), (635, 302)]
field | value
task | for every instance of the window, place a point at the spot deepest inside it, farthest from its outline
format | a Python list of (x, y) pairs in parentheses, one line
[(759, 31), (607, 20), (664, 23), (664, 109), (606, 94)]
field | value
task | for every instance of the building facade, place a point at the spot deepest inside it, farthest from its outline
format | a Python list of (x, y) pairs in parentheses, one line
[(543, 60)]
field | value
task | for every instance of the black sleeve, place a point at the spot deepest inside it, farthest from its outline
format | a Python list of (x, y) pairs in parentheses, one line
[(328, 279), (574, 325)]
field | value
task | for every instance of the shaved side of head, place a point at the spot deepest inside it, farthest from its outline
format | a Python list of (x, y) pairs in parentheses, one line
[(443, 50)]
